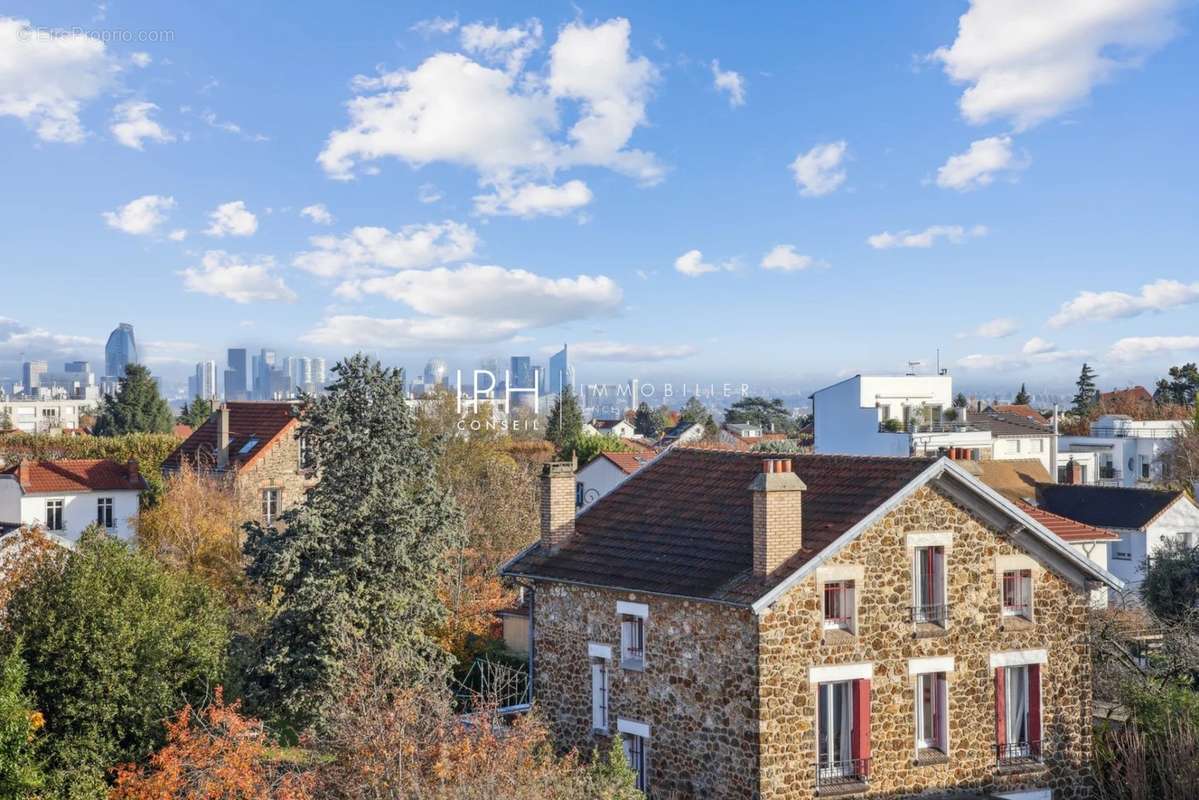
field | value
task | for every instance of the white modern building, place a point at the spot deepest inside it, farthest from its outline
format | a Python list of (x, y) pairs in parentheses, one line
[(64, 497), (43, 416), (1127, 451), (620, 428)]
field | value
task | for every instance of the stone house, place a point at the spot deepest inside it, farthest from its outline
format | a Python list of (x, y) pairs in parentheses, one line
[(256, 444), (752, 626)]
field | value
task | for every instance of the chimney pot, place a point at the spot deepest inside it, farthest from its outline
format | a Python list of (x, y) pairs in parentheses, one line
[(222, 437), (23, 472), (131, 470), (557, 504)]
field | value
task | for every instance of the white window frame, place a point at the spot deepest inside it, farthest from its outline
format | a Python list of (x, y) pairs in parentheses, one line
[(60, 506), (939, 680), (940, 595), (848, 592), (633, 734), (1015, 612), (600, 657), (830, 767), (633, 618), (106, 512), (269, 514)]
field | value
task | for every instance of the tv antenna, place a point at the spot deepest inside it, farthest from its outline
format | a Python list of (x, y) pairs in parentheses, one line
[(912, 365)]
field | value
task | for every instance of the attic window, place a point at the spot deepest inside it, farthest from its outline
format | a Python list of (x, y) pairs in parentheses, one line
[(248, 446)]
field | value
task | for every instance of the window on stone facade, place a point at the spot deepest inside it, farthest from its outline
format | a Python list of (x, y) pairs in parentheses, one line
[(635, 753), (54, 515), (270, 504), (932, 705), (307, 459), (1017, 593), (632, 641), (599, 694), (838, 605), (928, 596), (104, 517), (1018, 714), (843, 733)]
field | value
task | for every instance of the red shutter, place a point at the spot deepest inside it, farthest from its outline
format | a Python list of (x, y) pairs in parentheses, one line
[(861, 719), (1000, 714), (1034, 702)]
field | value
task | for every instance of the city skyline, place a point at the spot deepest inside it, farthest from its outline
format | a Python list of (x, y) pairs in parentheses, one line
[(767, 208)]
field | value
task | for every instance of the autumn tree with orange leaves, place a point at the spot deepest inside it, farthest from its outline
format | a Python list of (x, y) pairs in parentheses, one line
[(215, 753)]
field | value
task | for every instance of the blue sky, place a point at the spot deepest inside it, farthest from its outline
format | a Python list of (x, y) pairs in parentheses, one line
[(1013, 185)]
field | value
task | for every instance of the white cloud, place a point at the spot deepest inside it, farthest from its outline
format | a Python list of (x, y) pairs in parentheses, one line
[(473, 303), (141, 59), (1028, 60), (978, 165), (1134, 348), (783, 257), (428, 193), (508, 46), (18, 341), (232, 219), (531, 200), (131, 124), (730, 82), (1160, 295), (507, 126), (428, 27), (142, 216), (317, 213), (818, 171), (1036, 345), (369, 250), (46, 77), (692, 264), (955, 234), (614, 351), (236, 278), (993, 329), (177, 235)]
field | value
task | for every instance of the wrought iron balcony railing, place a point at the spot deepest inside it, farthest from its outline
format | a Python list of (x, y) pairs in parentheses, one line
[(934, 614), (842, 773), (1014, 754)]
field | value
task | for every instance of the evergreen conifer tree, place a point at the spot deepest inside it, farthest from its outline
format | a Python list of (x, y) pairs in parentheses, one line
[(565, 422), (135, 408), (1087, 396), (1022, 398)]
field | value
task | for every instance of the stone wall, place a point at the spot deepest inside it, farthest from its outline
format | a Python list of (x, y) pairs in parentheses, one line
[(278, 467), (791, 641), (697, 691)]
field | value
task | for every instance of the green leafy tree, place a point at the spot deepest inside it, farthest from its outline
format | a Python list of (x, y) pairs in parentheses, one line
[(21, 772), (196, 413), (695, 411), (610, 777), (647, 422), (358, 563), (1087, 396), (960, 401), (5, 420), (588, 446), (114, 643), (1181, 387), (1022, 397), (135, 408), (565, 423), (770, 415), (1171, 586)]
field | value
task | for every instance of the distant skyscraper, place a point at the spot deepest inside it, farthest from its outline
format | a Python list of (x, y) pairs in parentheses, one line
[(205, 383), (521, 371), (304, 371), (120, 350), (31, 375), (435, 373), (264, 362), (318, 372), (77, 366), (236, 375), (561, 373)]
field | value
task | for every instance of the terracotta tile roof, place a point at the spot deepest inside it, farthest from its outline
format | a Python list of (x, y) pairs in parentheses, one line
[(628, 462), (1020, 410), (684, 525), (1068, 529), (1016, 479), (182, 431), (1106, 506), (638, 445), (70, 476), (1138, 394), (260, 421), (765, 437)]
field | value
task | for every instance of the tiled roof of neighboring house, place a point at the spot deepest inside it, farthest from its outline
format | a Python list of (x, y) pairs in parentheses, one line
[(1020, 410), (684, 525), (638, 445), (1106, 506), (1002, 424), (1068, 529), (76, 475), (765, 437), (1133, 393), (628, 462), (260, 422), (605, 424), (1015, 479), (182, 431)]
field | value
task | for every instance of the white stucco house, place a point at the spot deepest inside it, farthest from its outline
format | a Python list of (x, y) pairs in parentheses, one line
[(620, 428), (64, 497), (1127, 451), (604, 472), (1143, 518)]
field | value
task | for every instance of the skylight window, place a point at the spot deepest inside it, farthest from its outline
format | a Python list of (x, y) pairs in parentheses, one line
[(248, 446)]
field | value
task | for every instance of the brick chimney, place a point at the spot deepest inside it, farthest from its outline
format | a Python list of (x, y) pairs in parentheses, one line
[(131, 472), (222, 437), (23, 473), (778, 521), (557, 504), (1073, 472)]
